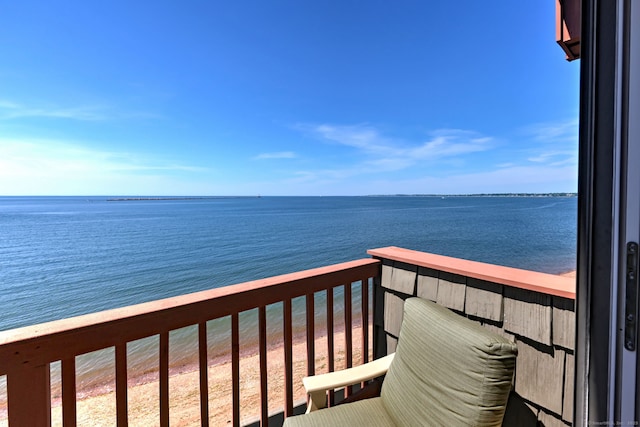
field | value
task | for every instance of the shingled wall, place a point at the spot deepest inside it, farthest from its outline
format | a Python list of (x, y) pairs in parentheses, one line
[(542, 325)]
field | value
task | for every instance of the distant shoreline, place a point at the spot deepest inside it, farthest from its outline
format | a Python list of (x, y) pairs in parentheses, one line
[(147, 199), (434, 195), (479, 195)]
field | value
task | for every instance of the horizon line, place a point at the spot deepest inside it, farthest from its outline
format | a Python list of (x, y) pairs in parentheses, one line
[(173, 196)]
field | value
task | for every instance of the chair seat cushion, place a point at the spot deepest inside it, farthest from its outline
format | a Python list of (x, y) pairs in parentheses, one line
[(364, 413)]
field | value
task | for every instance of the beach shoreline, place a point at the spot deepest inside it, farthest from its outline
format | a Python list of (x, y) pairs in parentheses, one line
[(96, 405)]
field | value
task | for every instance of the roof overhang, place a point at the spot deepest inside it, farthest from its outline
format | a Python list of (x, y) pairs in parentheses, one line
[(568, 27)]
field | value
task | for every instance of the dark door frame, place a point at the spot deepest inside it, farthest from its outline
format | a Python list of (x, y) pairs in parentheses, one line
[(600, 385)]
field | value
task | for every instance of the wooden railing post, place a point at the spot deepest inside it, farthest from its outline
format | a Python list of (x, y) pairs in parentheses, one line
[(365, 320), (235, 369), (348, 334), (164, 379), (379, 335), (29, 396), (122, 411), (69, 410), (203, 361), (262, 343), (330, 342), (288, 359)]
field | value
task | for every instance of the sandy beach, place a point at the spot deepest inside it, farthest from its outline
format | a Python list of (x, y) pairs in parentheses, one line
[(98, 407)]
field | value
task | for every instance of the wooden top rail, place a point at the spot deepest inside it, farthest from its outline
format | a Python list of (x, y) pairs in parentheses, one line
[(61, 339), (550, 284)]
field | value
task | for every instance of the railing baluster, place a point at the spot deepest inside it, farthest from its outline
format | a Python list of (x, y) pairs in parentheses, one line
[(262, 343), (164, 379), (121, 385), (348, 333), (311, 335), (69, 417), (365, 320), (235, 368), (288, 360), (364, 311), (204, 374), (29, 396), (330, 346)]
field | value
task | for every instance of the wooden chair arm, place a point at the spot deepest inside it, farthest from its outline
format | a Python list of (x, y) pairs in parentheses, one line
[(317, 385)]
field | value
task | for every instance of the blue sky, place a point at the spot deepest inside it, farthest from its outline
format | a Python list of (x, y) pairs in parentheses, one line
[(284, 98)]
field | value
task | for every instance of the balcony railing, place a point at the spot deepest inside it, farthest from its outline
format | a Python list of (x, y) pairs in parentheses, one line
[(534, 309), (537, 310), (26, 354)]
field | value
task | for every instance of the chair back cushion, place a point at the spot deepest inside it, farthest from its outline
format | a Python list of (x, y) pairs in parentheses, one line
[(448, 370)]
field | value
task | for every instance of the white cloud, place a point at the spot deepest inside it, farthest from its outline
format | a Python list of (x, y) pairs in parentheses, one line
[(377, 153), (555, 144), (358, 136), (13, 111), (555, 132), (277, 155), (444, 143), (10, 110), (452, 145), (8, 105), (55, 167), (389, 164), (548, 156), (438, 164)]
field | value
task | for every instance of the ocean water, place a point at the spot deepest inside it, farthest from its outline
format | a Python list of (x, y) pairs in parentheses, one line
[(65, 256)]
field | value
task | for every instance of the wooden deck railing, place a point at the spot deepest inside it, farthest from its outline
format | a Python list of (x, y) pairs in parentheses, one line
[(26, 353), (536, 310)]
